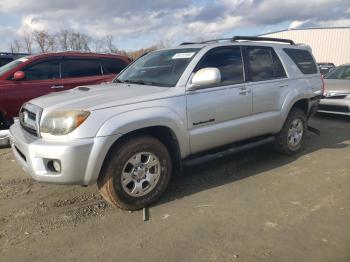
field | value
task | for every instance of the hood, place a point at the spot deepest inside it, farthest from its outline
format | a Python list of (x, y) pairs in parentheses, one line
[(337, 85), (99, 96)]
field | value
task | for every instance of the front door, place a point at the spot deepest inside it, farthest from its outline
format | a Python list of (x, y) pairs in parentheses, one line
[(215, 114), (41, 79)]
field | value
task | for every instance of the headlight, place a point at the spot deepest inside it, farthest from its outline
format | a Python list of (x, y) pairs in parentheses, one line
[(63, 122)]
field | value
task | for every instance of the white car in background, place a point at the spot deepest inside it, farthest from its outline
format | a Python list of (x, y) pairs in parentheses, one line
[(337, 91)]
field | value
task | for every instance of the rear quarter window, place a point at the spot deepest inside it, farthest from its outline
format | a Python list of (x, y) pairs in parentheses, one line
[(303, 60), (113, 66)]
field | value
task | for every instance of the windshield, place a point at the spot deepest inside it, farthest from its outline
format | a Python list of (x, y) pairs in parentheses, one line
[(8, 67), (159, 68), (342, 72)]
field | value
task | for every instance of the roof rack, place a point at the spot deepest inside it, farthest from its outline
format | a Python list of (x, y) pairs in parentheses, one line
[(247, 38), (258, 38)]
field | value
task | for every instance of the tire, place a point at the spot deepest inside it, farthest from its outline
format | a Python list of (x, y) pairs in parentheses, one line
[(290, 143), (132, 160)]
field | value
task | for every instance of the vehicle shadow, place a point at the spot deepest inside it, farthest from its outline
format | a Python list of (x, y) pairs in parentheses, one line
[(335, 131)]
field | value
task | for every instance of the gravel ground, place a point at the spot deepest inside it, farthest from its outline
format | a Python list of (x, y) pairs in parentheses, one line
[(252, 206)]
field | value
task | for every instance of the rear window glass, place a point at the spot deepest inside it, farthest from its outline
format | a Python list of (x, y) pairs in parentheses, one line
[(303, 59), (82, 67), (113, 66), (264, 64)]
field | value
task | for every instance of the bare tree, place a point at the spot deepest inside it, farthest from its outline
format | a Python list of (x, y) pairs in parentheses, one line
[(15, 46), (63, 39), (43, 40), (79, 42), (98, 45), (110, 47), (27, 36)]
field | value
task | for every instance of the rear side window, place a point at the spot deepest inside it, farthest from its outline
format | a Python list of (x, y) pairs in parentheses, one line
[(113, 66), (43, 71), (303, 59), (82, 67), (264, 64), (228, 60)]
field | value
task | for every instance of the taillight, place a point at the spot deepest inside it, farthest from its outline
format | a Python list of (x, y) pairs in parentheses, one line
[(323, 86)]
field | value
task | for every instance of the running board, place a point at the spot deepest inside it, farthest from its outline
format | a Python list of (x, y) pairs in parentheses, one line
[(227, 152)]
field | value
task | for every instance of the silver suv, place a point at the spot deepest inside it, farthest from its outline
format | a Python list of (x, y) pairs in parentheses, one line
[(129, 135)]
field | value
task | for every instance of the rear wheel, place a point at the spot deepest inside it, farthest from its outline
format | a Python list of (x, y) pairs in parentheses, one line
[(290, 140), (136, 173)]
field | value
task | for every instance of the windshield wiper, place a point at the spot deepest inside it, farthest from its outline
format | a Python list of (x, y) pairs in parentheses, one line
[(139, 82)]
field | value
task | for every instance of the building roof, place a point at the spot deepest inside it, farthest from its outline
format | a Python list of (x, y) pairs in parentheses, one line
[(306, 28)]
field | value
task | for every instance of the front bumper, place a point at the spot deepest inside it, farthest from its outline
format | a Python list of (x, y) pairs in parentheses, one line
[(81, 159), (4, 137), (339, 105)]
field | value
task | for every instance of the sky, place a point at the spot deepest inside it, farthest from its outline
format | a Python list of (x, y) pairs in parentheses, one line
[(141, 23)]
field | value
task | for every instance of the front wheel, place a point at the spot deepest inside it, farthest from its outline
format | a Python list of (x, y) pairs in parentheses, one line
[(136, 173), (290, 139)]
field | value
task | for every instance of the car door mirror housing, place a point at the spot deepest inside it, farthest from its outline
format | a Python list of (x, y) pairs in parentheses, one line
[(19, 75), (205, 77)]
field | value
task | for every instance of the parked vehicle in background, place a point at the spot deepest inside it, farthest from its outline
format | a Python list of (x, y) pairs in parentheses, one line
[(325, 67), (167, 106), (337, 91), (33, 76), (6, 58)]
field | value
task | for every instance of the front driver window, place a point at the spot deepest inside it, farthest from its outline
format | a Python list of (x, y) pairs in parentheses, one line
[(43, 71), (228, 60)]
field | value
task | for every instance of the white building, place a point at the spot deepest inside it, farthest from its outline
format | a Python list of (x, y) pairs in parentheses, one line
[(327, 44)]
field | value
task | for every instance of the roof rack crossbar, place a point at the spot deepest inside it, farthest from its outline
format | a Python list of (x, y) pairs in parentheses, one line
[(258, 38), (247, 38)]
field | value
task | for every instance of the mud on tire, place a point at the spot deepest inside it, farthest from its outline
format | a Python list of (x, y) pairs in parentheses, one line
[(120, 163)]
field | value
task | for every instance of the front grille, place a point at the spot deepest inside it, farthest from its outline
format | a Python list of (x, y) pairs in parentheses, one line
[(334, 108), (29, 117), (29, 130)]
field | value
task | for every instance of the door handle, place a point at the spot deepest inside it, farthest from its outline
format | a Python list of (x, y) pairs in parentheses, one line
[(243, 91), (57, 86)]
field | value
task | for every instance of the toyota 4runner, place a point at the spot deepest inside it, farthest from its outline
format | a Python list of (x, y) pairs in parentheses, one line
[(128, 136)]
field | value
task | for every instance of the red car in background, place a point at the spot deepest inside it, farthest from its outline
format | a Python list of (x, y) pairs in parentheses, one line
[(33, 76)]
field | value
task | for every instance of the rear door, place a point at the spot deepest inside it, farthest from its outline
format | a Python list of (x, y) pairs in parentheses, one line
[(215, 113), (41, 78), (267, 79)]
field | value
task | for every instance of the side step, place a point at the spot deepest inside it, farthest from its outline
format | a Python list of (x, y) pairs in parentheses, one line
[(227, 152)]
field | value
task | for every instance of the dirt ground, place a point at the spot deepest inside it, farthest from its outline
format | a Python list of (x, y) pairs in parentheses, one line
[(251, 206)]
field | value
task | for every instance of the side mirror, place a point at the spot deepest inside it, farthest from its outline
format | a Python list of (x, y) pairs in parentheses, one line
[(19, 75), (205, 77)]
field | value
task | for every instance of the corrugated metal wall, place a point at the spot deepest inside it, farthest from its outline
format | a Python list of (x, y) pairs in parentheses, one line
[(328, 44)]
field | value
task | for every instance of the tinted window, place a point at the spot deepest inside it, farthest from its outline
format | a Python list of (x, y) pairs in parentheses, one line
[(303, 59), (342, 72), (4, 61), (228, 60), (264, 64), (43, 71), (82, 67), (113, 66)]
